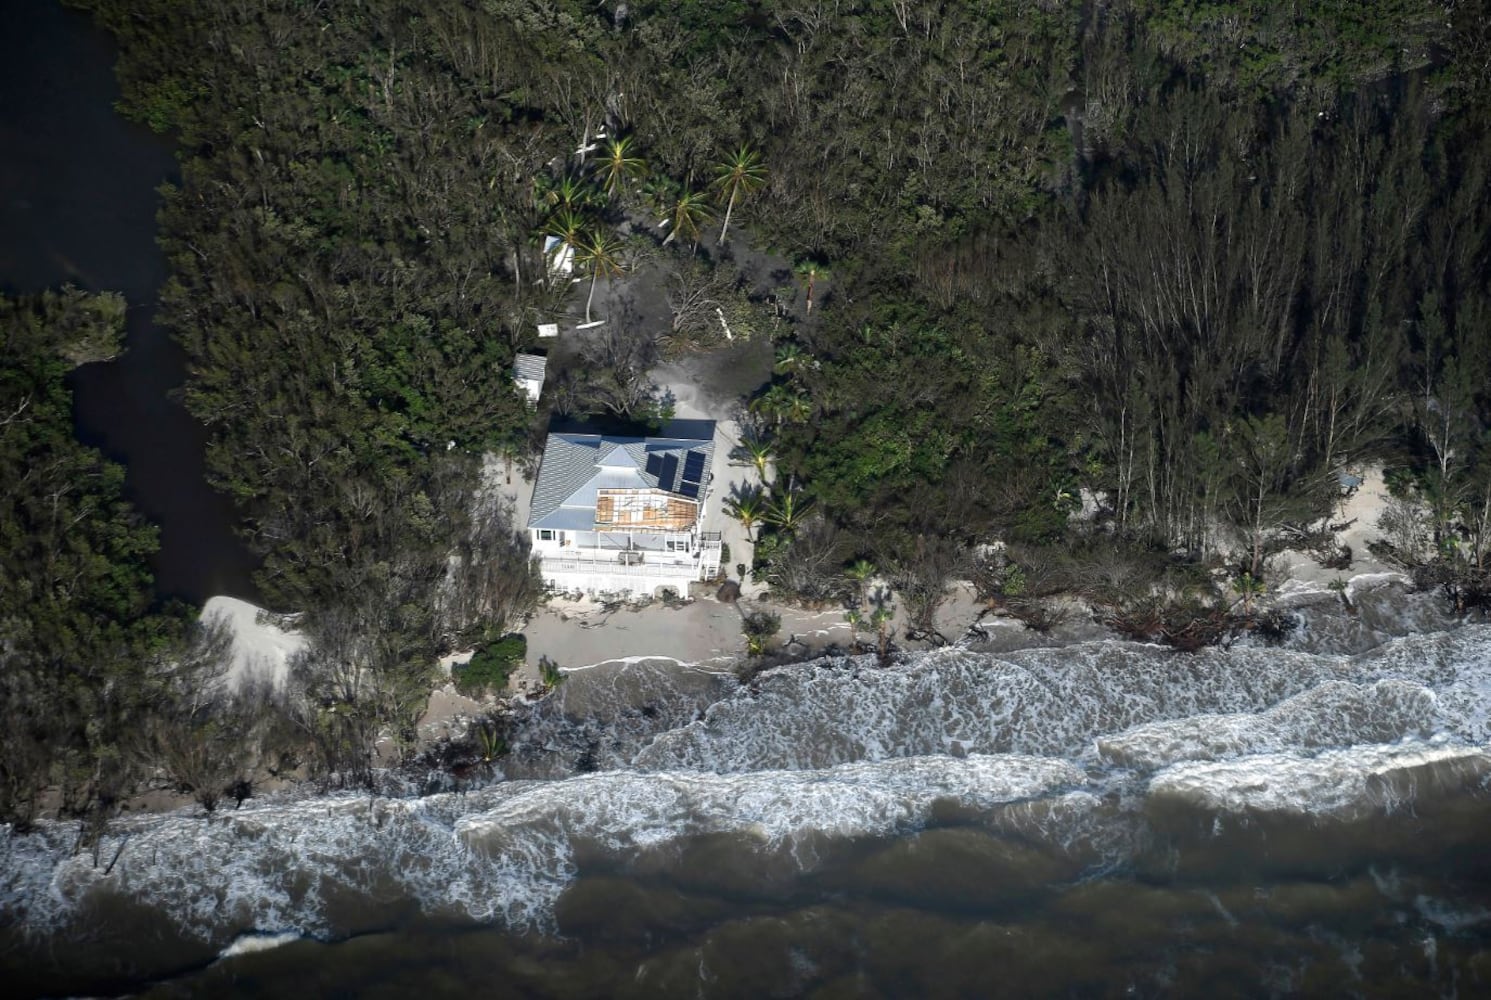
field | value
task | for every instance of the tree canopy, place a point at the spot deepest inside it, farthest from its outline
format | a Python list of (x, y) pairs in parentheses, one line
[(1194, 258)]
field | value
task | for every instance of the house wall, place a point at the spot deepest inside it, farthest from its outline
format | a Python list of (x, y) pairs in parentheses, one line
[(588, 561), (618, 579), (576, 544), (542, 546)]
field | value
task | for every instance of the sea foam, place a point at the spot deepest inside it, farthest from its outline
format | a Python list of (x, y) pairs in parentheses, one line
[(1062, 747), (1345, 783)]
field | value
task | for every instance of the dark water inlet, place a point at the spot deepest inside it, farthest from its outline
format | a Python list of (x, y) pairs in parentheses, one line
[(77, 204)]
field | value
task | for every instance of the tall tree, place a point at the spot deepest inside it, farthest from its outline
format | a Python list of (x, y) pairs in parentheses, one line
[(619, 165), (600, 253), (748, 507), (788, 511), (690, 212), (810, 272), (739, 176)]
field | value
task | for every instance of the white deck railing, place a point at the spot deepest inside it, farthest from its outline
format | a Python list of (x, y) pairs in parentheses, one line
[(612, 567)]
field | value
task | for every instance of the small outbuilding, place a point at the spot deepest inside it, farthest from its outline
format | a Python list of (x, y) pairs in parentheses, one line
[(529, 371)]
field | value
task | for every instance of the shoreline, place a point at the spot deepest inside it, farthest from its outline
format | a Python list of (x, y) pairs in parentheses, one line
[(401, 785), (705, 634)]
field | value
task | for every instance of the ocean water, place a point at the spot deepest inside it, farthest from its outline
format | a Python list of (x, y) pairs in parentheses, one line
[(1093, 818)]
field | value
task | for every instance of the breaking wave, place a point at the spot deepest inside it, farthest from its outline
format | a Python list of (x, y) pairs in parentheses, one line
[(1344, 784), (1068, 749)]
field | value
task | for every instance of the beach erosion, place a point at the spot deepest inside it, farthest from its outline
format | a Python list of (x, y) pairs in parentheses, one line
[(577, 633)]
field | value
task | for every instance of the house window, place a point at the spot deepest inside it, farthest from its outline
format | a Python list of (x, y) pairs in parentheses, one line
[(678, 545), (547, 534)]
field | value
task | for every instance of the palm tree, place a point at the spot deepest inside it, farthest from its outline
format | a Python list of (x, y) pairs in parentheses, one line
[(489, 738), (797, 409), (771, 404), (742, 174), (859, 573), (690, 211), (568, 226), (601, 253), (758, 451), (748, 508), (658, 190), (791, 359), (811, 272), (619, 165), (787, 513), (1249, 587), (758, 628), (881, 619), (567, 192), (780, 403)]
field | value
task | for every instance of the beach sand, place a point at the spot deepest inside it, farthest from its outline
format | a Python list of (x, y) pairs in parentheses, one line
[(577, 634), (1296, 575), (261, 650)]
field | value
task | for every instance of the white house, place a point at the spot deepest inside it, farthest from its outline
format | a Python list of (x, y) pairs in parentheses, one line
[(528, 373), (625, 515)]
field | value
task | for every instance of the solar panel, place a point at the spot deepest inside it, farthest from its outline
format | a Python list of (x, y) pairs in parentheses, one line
[(693, 467), (690, 490), (654, 463), (668, 477)]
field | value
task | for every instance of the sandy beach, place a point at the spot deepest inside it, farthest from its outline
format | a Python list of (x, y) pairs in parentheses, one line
[(575, 635), (262, 650), (1296, 575)]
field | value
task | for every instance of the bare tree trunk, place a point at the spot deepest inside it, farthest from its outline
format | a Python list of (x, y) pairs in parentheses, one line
[(728, 209)]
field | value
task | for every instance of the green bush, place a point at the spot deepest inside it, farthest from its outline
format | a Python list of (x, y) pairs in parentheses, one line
[(550, 672), (490, 668), (759, 627)]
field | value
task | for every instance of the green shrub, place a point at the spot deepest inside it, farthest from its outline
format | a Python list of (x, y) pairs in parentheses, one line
[(490, 668), (759, 627), (550, 672)]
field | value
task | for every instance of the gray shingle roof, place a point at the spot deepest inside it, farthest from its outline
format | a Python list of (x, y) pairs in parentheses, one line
[(575, 466)]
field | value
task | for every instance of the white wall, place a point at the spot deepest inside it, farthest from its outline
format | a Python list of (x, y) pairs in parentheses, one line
[(641, 583)]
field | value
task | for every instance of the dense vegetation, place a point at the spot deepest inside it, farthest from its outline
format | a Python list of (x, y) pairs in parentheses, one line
[(81, 658), (1192, 256), (1188, 260)]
